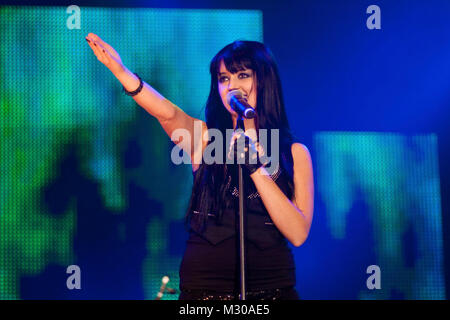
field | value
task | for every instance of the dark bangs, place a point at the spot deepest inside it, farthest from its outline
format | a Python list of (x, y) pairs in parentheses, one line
[(236, 57)]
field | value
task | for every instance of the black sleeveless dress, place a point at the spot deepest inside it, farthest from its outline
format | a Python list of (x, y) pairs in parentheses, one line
[(210, 267)]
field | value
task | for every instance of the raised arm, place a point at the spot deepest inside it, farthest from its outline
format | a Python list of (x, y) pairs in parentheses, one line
[(168, 114)]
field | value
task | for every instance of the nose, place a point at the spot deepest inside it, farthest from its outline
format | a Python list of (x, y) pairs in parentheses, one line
[(233, 84)]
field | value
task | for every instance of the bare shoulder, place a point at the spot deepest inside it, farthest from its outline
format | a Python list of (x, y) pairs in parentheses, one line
[(303, 178), (300, 153)]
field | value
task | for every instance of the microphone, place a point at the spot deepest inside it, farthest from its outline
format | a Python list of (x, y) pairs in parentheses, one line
[(239, 104), (163, 288)]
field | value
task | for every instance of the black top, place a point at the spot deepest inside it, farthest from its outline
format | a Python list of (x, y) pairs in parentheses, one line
[(211, 259)]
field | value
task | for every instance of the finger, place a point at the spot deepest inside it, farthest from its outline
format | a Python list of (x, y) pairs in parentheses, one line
[(241, 142), (237, 148), (237, 136), (260, 150), (93, 47), (93, 36), (236, 153), (100, 41), (90, 43), (229, 156), (99, 52), (232, 152), (103, 52), (233, 140), (234, 145)]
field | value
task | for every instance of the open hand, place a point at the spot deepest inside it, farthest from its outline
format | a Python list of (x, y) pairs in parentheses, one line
[(105, 53)]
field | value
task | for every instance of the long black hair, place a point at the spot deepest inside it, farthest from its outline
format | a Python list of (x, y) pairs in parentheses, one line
[(209, 187)]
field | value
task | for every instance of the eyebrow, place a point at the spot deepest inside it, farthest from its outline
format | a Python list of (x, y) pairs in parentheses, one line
[(245, 70)]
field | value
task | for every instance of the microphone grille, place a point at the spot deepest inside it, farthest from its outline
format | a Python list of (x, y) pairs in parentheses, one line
[(234, 93)]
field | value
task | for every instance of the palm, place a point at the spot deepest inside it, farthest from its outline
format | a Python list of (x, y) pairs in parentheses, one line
[(105, 53)]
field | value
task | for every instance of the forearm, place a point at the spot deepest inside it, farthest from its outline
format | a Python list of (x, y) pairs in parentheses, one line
[(149, 99), (290, 220)]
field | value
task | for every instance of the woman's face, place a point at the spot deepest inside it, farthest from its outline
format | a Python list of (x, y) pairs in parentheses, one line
[(244, 81)]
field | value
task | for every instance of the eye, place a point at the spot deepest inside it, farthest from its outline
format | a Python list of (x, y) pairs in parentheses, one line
[(243, 75), (222, 79)]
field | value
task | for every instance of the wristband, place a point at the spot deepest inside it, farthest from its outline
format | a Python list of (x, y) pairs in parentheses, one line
[(135, 92)]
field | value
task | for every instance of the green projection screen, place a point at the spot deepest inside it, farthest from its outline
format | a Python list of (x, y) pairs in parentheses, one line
[(58, 102)]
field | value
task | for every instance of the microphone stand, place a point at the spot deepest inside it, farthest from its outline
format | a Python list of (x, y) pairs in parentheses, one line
[(243, 295)]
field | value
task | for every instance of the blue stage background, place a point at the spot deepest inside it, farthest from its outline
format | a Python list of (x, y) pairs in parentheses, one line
[(87, 173)]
